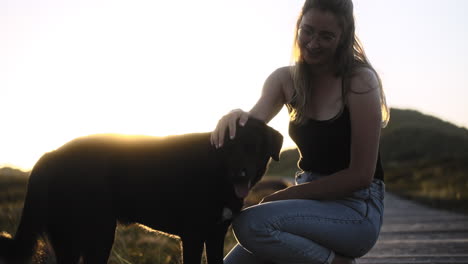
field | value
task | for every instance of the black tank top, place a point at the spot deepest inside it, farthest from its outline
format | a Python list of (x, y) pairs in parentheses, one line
[(324, 146)]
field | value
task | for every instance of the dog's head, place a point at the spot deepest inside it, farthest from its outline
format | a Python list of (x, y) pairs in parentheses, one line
[(248, 154)]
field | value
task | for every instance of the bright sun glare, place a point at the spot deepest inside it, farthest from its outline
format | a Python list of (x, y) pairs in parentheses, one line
[(73, 68), (79, 68)]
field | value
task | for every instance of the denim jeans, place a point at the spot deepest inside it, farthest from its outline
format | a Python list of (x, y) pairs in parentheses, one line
[(309, 231)]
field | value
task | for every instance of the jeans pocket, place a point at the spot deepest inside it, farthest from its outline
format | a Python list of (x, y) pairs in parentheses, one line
[(359, 201), (358, 205), (377, 194), (363, 194)]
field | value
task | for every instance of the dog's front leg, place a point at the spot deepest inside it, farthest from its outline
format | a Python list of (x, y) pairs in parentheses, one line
[(215, 243), (192, 249)]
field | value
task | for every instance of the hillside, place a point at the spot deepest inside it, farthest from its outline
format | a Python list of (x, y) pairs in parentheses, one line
[(414, 137), (424, 158), (12, 185)]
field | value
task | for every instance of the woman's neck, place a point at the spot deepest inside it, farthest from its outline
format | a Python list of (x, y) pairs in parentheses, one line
[(322, 75)]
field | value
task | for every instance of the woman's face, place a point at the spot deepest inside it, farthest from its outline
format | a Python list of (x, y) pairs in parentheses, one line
[(318, 37)]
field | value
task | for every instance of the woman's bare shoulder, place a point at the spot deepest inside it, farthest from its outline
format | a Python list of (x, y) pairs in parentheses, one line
[(284, 77), (364, 80), (283, 73)]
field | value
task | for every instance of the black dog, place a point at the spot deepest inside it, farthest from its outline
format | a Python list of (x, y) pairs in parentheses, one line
[(179, 185)]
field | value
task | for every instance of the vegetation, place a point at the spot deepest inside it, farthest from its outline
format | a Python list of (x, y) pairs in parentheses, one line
[(424, 158)]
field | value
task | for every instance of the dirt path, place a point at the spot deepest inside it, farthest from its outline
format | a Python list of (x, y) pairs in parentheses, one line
[(413, 233)]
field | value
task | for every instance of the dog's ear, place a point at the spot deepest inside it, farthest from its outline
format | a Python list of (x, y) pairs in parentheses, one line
[(274, 143)]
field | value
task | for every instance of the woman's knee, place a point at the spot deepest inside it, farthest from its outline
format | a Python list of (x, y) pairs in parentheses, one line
[(244, 225), (251, 226)]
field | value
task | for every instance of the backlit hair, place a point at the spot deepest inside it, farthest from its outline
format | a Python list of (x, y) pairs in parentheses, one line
[(349, 57)]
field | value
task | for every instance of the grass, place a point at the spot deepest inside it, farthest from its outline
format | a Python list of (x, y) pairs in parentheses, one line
[(443, 185), (13, 187)]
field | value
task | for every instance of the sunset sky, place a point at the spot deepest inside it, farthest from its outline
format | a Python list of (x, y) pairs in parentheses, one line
[(73, 68)]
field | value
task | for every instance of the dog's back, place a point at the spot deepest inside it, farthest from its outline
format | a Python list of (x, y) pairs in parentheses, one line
[(142, 178)]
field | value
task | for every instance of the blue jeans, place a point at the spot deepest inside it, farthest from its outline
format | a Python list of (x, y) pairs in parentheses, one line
[(309, 231)]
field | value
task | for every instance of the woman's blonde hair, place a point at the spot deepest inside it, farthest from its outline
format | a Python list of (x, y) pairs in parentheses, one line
[(349, 57)]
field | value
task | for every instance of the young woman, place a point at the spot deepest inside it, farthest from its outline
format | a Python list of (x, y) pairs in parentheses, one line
[(337, 107)]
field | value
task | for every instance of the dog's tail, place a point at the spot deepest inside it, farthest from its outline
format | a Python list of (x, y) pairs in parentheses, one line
[(21, 247)]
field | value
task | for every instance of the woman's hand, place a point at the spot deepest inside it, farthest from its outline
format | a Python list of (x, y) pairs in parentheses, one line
[(269, 104), (228, 121)]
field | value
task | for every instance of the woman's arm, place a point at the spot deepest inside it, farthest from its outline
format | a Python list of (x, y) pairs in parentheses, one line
[(270, 103), (365, 114)]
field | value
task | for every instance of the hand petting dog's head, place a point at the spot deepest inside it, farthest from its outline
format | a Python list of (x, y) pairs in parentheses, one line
[(248, 154)]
